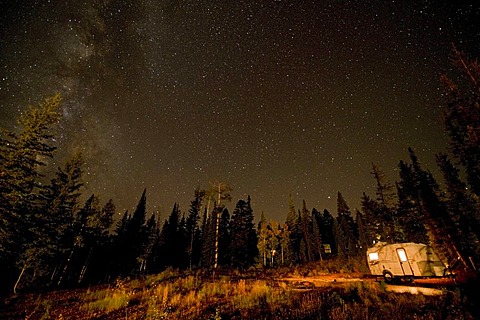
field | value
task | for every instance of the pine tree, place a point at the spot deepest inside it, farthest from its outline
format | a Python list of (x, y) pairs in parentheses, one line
[(433, 211), (224, 239), (284, 239), (327, 227), (208, 239), (103, 254), (244, 237), (463, 210), (347, 233), (148, 255), (374, 231), (306, 244), (22, 155), (461, 116), (317, 236), (173, 244), (85, 232), (56, 215), (192, 227), (362, 235), (106, 217), (293, 248), (130, 238), (409, 206), (385, 213)]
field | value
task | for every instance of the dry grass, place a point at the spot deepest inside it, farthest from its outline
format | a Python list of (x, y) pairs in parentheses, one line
[(172, 295)]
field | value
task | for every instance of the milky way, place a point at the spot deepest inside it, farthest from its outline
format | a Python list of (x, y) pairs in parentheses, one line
[(273, 97)]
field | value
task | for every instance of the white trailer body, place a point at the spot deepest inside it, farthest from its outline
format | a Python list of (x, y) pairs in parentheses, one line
[(404, 260)]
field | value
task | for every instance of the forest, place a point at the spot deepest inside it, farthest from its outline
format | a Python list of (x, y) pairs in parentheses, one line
[(49, 239)]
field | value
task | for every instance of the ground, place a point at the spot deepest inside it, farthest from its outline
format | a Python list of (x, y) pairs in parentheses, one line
[(69, 304)]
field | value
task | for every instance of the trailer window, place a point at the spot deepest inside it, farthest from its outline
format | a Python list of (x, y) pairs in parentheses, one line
[(373, 256), (402, 255)]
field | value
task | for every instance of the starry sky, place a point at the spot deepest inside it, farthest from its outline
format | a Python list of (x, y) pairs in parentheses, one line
[(275, 97)]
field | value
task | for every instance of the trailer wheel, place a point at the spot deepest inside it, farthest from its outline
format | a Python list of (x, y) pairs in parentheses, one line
[(387, 276)]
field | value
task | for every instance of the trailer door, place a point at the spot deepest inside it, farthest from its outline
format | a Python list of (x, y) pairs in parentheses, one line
[(404, 263)]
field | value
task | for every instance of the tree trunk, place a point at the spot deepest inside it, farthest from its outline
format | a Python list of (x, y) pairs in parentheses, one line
[(64, 270), (215, 265), (19, 277), (85, 265)]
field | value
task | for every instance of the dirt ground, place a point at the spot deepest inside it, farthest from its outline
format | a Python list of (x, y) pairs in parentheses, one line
[(426, 286)]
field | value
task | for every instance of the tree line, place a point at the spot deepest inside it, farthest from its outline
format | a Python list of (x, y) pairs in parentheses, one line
[(49, 239)]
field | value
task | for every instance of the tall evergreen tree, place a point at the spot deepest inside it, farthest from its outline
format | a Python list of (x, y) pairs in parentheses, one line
[(173, 244), (224, 239), (327, 227), (22, 155), (316, 234), (348, 233), (409, 206), (58, 208), (244, 237), (102, 255), (208, 238), (306, 227), (362, 235), (86, 229), (463, 209), (192, 228), (130, 238), (292, 221), (461, 116), (284, 239), (386, 214), (434, 212)]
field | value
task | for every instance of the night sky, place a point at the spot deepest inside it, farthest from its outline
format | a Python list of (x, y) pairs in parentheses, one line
[(273, 97)]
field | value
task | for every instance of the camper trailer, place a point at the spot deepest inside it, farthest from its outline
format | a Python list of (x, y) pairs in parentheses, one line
[(404, 261)]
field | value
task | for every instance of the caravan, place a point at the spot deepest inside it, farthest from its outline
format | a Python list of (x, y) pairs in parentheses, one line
[(404, 261)]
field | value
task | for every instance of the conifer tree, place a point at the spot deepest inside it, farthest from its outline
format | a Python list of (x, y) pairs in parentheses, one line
[(208, 238), (192, 228), (434, 213), (56, 215), (224, 239), (409, 206), (293, 248), (306, 225), (22, 155), (347, 233), (244, 237), (130, 238), (85, 231), (362, 237), (102, 254), (284, 241), (461, 116), (173, 244), (463, 210), (327, 227), (374, 231), (385, 213), (149, 253), (316, 234)]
